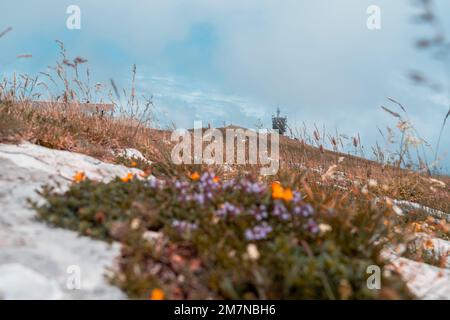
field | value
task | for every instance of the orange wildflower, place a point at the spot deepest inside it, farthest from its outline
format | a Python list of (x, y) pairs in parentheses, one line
[(157, 294), (278, 192), (146, 173), (216, 179), (127, 178), (195, 176), (79, 176), (428, 244), (288, 195), (134, 164)]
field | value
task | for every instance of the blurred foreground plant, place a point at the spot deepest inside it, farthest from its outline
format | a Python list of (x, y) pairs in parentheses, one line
[(201, 237)]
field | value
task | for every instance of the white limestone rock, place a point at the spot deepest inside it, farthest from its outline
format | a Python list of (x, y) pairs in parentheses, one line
[(132, 153), (425, 281), (21, 283), (34, 257)]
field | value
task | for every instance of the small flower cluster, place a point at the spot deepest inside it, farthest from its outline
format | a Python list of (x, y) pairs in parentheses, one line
[(231, 184), (253, 187), (201, 192), (304, 211), (280, 211), (263, 206), (209, 180), (183, 226), (246, 185), (228, 209), (312, 226), (154, 183), (182, 188), (260, 212), (258, 232)]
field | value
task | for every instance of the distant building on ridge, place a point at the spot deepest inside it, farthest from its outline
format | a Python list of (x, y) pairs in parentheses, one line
[(279, 123)]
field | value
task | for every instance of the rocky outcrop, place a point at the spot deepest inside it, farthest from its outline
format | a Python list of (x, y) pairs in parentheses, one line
[(36, 260), (425, 281)]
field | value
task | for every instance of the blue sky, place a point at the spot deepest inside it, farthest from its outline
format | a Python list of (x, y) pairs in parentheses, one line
[(235, 61)]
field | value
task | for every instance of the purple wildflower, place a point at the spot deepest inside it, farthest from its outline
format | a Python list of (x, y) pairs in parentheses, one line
[(184, 226), (258, 232), (209, 195), (154, 183), (312, 226), (253, 187), (305, 210), (208, 181), (260, 212), (280, 211), (228, 209), (231, 184), (297, 197), (181, 185), (199, 198)]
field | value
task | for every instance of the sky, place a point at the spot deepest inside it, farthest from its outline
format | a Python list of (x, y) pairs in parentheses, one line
[(234, 61)]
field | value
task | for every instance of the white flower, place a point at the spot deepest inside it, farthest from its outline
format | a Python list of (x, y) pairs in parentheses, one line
[(252, 252), (135, 223), (324, 228)]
